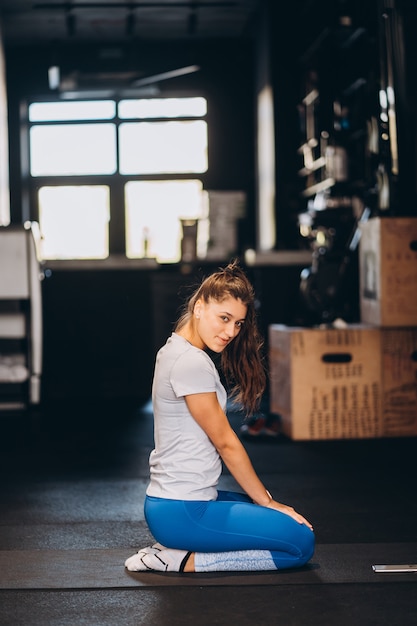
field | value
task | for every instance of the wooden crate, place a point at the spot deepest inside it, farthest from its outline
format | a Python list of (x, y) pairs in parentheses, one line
[(399, 379), (326, 383), (388, 271)]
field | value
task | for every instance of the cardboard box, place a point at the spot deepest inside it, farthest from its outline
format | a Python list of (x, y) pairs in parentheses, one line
[(388, 271), (399, 379), (326, 383)]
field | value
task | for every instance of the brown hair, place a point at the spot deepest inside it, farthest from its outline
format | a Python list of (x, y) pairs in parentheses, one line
[(241, 360)]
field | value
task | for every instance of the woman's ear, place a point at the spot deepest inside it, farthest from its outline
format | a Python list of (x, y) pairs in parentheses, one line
[(197, 309)]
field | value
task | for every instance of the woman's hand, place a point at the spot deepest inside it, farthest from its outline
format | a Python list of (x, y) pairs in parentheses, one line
[(288, 510)]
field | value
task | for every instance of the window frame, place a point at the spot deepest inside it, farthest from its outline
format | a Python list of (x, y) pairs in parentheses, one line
[(116, 182)]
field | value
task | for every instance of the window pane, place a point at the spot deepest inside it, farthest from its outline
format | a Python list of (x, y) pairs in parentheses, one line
[(163, 147), (54, 111), (69, 150), (163, 107), (74, 222), (153, 213)]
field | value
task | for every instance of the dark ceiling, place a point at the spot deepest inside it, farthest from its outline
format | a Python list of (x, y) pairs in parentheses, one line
[(76, 21), (34, 21)]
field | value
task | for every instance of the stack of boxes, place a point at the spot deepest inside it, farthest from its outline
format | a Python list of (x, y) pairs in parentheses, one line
[(359, 381), (388, 299)]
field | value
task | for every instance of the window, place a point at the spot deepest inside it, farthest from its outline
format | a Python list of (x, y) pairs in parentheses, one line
[(154, 210), (138, 162), (74, 221), (70, 150), (171, 147)]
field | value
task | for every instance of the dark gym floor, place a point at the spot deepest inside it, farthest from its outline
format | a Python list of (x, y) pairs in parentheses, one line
[(71, 496)]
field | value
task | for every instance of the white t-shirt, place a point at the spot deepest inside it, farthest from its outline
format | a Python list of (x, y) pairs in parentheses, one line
[(184, 464)]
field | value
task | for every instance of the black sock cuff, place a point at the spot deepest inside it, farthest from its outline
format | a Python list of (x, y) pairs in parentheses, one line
[(184, 561)]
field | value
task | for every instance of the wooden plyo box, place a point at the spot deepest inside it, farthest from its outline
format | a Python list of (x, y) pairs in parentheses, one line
[(326, 383), (388, 271), (399, 379)]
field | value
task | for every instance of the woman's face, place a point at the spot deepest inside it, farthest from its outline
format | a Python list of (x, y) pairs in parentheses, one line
[(218, 323)]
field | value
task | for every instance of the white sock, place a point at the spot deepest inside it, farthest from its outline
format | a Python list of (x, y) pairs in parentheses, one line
[(158, 558), (237, 560), (135, 564)]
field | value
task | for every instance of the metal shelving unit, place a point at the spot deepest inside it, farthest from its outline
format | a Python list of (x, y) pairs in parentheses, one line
[(21, 331)]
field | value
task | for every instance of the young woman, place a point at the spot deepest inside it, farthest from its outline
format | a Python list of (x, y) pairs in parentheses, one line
[(198, 527)]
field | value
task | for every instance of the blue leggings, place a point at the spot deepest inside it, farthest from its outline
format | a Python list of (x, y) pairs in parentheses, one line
[(232, 522)]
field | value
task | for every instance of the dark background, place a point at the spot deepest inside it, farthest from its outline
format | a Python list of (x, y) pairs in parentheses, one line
[(102, 327)]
